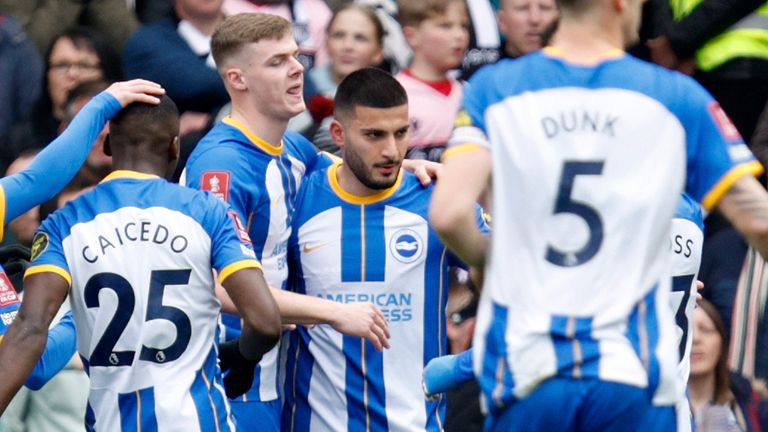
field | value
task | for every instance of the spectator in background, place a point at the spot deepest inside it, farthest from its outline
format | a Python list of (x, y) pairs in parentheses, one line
[(176, 53), (354, 41), (78, 55), (721, 401), (525, 24), (437, 31), (44, 20), (309, 20), (21, 68)]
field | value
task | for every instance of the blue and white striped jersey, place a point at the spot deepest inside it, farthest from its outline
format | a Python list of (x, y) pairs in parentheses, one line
[(588, 166), (685, 245), (138, 253), (377, 249), (260, 183)]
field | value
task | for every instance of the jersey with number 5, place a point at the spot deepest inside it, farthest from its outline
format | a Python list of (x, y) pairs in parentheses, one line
[(138, 252), (588, 166)]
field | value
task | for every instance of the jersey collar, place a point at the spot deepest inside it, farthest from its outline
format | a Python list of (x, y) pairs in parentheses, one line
[(255, 140), (356, 199), (120, 174), (557, 52)]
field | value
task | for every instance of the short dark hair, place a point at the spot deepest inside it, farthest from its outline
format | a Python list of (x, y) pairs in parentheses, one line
[(368, 87), (145, 126)]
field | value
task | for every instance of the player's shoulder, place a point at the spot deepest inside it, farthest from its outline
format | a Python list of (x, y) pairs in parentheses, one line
[(689, 209), (300, 147), (222, 148)]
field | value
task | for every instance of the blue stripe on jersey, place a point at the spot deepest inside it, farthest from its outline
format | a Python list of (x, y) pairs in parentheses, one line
[(375, 248), (496, 379), (289, 186), (297, 413), (434, 324), (366, 407), (351, 248), (362, 261), (577, 353), (90, 418), (137, 410), (210, 404), (643, 334)]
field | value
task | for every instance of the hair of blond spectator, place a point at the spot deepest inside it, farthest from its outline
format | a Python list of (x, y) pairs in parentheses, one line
[(242, 29), (413, 12)]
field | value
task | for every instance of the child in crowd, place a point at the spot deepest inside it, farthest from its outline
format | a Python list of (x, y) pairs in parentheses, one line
[(437, 32)]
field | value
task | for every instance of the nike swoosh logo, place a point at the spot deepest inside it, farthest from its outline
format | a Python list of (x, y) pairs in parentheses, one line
[(307, 249)]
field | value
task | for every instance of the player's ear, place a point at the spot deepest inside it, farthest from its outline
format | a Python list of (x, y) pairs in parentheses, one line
[(174, 149), (235, 79), (107, 146), (337, 133)]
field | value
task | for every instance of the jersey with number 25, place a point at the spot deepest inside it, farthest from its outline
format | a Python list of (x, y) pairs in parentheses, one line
[(138, 252), (588, 166)]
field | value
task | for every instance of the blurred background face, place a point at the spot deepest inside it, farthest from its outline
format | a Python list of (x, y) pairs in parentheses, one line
[(707, 344), (198, 9), (443, 39), (523, 21), (69, 66), (352, 43)]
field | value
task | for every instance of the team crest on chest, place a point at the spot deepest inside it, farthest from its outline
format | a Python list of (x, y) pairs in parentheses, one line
[(406, 246)]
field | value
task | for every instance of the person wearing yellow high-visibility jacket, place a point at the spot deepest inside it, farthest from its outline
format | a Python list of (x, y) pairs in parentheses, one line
[(726, 43)]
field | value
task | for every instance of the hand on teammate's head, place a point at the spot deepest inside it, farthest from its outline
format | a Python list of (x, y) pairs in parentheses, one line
[(137, 90)]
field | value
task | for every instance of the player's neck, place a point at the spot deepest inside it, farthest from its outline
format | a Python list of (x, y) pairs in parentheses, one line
[(141, 166), (587, 42), (701, 390), (424, 71), (270, 130)]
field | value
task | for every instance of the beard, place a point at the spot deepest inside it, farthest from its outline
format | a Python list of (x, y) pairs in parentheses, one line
[(365, 175)]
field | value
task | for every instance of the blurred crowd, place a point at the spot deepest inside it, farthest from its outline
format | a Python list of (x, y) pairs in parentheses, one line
[(57, 54)]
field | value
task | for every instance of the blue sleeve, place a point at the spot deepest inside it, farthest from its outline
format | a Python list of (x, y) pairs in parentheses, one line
[(47, 250), (59, 349), (716, 153), (54, 167), (463, 368), (231, 245), (156, 52)]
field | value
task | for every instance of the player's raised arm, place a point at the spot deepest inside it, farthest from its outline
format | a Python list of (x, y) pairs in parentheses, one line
[(453, 210), (58, 163), (25, 340), (745, 204)]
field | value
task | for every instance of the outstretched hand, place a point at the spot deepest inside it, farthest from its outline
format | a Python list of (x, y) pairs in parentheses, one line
[(363, 320), (137, 90)]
